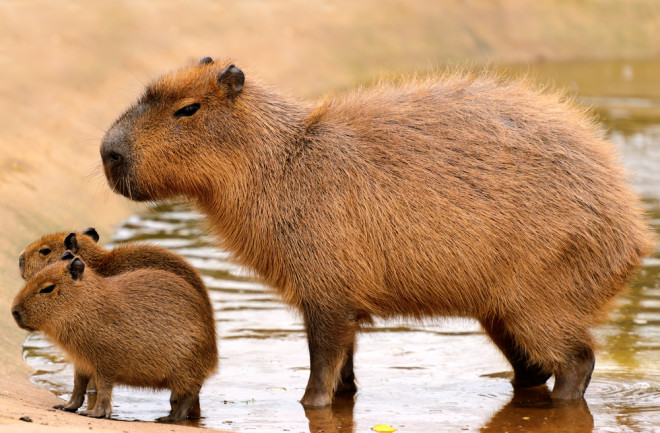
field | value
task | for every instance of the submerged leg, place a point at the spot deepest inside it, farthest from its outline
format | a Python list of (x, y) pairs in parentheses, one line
[(329, 333), (78, 396), (525, 373), (572, 379)]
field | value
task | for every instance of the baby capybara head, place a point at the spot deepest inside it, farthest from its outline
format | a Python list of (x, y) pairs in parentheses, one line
[(50, 248), (164, 144), (46, 295)]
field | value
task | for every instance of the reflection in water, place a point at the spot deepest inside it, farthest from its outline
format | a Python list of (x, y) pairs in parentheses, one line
[(532, 410), (442, 376), (337, 418)]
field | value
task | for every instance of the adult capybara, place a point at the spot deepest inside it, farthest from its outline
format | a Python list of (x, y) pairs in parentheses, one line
[(456, 195), (106, 263), (143, 328)]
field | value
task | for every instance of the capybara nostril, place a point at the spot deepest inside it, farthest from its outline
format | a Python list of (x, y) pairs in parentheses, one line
[(115, 157), (16, 314), (111, 153)]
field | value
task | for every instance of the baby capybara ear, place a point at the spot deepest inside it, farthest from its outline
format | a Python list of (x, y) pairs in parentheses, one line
[(71, 243), (232, 79), (66, 256), (76, 269), (92, 233), (206, 61)]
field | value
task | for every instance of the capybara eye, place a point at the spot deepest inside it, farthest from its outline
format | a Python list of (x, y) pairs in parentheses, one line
[(188, 110), (47, 289), (44, 251)]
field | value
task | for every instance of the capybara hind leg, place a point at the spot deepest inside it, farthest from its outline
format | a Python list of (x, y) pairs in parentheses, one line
[(572, 379), (346, 384), (78, 396), (328, 335), (185, 404), (525, 373), (103, 406)]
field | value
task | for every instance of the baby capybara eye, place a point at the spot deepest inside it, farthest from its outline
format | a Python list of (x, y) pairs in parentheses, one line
[(188, 110), (47, 289), (44, 251)]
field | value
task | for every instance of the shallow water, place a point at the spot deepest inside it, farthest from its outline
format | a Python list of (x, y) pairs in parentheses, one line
[(443, 376)]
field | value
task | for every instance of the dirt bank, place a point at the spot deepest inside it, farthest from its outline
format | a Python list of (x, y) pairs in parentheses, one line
[(69, 67)]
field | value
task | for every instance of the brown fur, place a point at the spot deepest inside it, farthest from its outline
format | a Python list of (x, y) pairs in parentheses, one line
[(123, 258), (106, 263), (145, 328), (457, 195)]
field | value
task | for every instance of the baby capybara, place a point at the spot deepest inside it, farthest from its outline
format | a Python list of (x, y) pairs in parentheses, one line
[(145, 328), (122, 258), (456, 195), (106, 262)]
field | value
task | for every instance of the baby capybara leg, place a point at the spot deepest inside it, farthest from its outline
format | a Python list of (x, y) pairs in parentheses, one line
[(329, 333), (525, 372), (174, 401), (103, 406), (91, 393), (185, 404), (195, 411), (78, 396), (573, 377)]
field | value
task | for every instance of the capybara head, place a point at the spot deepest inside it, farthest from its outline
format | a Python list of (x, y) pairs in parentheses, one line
[(164, 144), (46, 295), (49, 248)]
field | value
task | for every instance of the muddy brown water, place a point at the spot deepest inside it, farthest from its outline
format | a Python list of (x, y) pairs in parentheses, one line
[(436, 376)]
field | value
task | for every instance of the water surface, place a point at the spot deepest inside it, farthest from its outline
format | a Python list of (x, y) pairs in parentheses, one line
[(442, 376)]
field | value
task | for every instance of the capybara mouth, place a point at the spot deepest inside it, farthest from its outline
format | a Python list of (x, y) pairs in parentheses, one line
[(122, 184), (22, 325)]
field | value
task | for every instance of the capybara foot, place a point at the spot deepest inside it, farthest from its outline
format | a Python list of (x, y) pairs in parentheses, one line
[(96, 413), (315, 399), (572, 380), (185, 406), (529, 378), (66, 407)]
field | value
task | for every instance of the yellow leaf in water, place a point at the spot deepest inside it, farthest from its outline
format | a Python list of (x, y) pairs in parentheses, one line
[(383, 428)]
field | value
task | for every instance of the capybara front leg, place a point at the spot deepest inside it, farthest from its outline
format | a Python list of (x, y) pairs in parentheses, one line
[(525, 373), (78, 396), (328, 335), (572, 379), (346, 384), (103, 406)]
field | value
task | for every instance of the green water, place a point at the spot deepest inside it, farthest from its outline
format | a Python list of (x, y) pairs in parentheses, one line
[(443, 376)]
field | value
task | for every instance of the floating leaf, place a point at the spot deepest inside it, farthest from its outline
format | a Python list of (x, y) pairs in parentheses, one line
[(383, 428)]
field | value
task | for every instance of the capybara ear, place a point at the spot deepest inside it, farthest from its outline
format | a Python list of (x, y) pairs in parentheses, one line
[(76, 269), (233, 79), (66, 256), (71, 243), (205, 61), (92, 233)]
